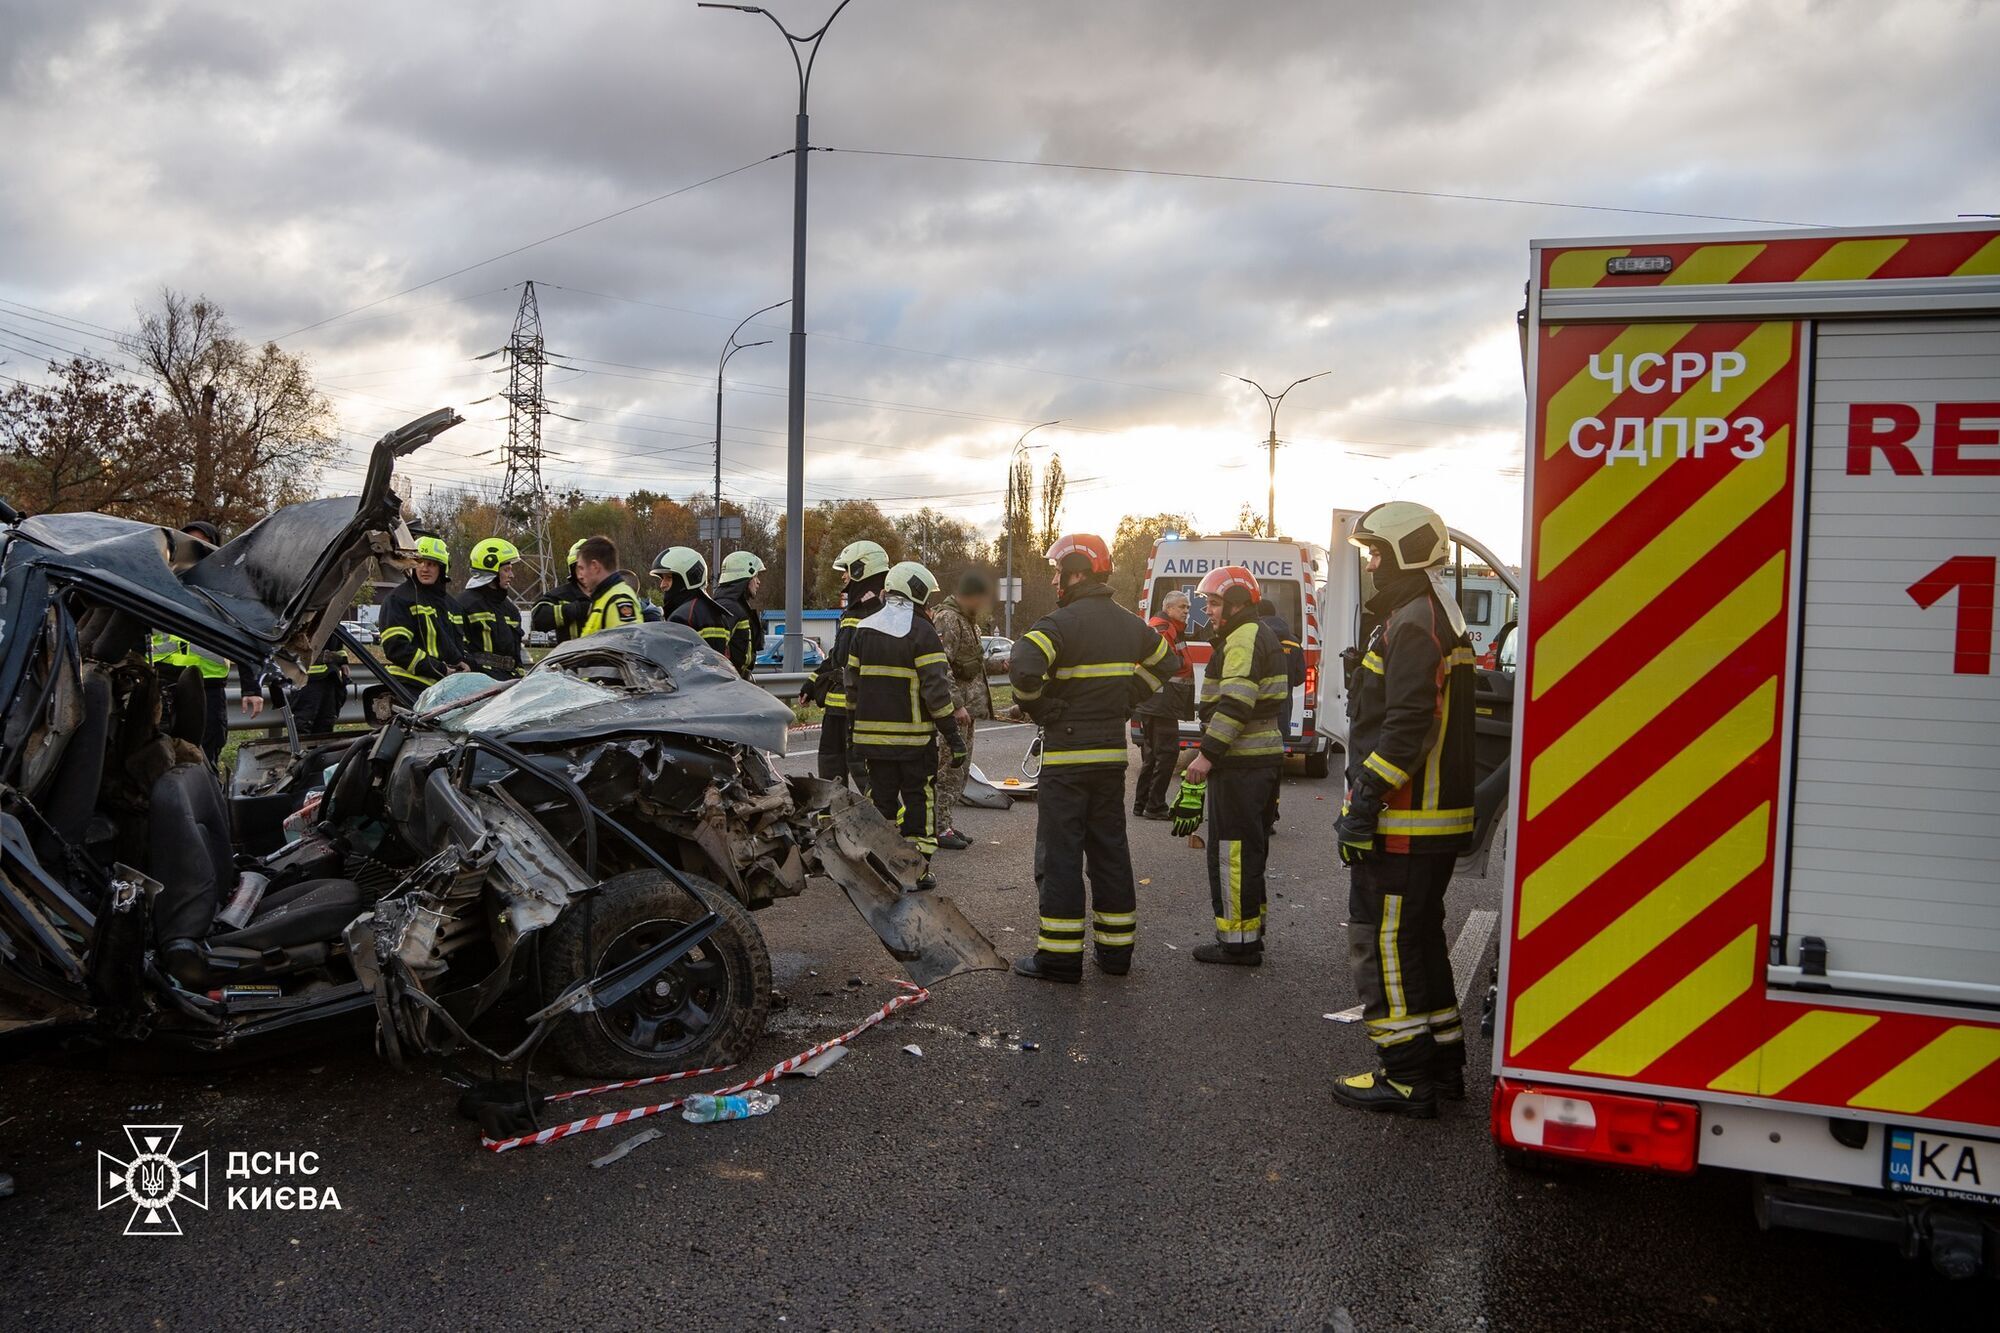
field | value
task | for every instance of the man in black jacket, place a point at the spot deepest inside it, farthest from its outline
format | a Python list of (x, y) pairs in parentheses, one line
[(422, 626), (1408, 814), (492, 621), (740, 577), (683, 575), (898, 690), (863, 565), (1159, 718), (1079, 673)]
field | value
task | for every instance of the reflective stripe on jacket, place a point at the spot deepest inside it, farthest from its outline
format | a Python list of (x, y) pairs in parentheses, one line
[(1411, 715), (422, 632), (492, 630), (613, 606), (170, 651), (716, 623), (1242, 693), (1081, 671), (899, 691)]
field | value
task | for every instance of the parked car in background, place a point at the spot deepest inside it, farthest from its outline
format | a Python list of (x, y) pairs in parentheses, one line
[(358, 631), (773, 656), (998, 650)]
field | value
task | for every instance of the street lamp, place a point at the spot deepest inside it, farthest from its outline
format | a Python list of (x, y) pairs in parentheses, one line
[(1021, 446), (795, 426), (729, 349), (1271, 509)]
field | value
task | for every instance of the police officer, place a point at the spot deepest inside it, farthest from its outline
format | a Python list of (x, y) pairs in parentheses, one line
[(1159, 718), (1241, 757), (899, 703), (683, 575), (863, 565), (613, 603), (1408, 813), (422, 626), (1079, 673), (741, 576), (561, 609), (492, 621)]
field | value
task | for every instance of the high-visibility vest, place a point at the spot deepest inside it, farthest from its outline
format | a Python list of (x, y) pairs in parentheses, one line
[(175, 652), (615, 606)]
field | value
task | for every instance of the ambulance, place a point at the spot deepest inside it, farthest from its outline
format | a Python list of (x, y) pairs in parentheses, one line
[(1289, 575), (1752, 917)]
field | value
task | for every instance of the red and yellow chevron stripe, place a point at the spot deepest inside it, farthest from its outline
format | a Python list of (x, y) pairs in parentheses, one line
[(1651, 750), (1784, 259)]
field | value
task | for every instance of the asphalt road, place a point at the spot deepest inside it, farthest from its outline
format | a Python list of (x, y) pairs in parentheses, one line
[(1168, 1157)]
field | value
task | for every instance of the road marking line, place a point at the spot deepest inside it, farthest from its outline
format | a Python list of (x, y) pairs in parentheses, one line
[(1467, 952)]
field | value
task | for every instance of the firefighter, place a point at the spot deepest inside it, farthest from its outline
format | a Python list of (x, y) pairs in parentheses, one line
[(562, 609), (171, 656), (899, 705), (1079, 673), (613, 603), (316, 704), (1159, 718), (862, 565), (1408, 813), (423, 627), (741, 576), (957, 621), (492, 622), (683, 575), (1295, 676), (1240, 759)]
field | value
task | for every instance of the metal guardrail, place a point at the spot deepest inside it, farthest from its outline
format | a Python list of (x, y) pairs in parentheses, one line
[(780, 684)]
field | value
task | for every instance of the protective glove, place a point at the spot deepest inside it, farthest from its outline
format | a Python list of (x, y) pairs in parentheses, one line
[(960, 756), (1355, 830), (1186, 808)]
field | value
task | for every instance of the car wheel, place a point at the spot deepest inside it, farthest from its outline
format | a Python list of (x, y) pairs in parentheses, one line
[(707, 1009)]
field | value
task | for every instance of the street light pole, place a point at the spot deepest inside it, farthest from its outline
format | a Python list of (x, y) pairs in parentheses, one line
[(1021, 446), (1271, 443), (729, 349), (795, 425)]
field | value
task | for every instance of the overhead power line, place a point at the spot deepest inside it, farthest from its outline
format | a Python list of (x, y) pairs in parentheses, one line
[(1313, 185)]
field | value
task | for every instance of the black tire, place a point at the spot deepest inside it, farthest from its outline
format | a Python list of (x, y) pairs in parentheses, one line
[(707, 1009), (1319, 763)]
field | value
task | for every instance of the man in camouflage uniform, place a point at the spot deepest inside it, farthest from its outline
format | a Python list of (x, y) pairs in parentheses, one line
[(957, 621)]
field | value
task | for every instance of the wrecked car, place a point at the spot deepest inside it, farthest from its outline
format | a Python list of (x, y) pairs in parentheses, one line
[(564, 863)]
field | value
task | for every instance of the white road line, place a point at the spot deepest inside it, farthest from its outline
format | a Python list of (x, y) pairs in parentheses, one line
[(1466, 954)]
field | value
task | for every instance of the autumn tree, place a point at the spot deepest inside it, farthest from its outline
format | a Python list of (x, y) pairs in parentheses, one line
[(86, 441), (248, 428), (940, 544), (1250, 522), (1054, 484), (1132, 547)]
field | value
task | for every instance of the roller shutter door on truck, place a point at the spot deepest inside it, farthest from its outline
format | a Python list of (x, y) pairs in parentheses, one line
[(1894, 856)]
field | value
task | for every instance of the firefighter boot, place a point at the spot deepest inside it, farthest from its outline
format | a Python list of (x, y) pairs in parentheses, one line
[(1041, 969), (1235, 955), (1376, 1091), (926, 881), (1114, 962), (1449, 1082)]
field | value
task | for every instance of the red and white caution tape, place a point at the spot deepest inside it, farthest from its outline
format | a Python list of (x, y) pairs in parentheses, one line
[(912, 995)]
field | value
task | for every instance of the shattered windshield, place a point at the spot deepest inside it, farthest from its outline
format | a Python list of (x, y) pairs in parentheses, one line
[(536, 700)]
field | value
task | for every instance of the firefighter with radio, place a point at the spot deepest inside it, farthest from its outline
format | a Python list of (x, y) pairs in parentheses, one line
[(1408, 813), (423, 627), (492, 622), (736, 590), (1241, 757), (863, 566), (1079, 673), (613, 602), (683, 575), (898, 688)]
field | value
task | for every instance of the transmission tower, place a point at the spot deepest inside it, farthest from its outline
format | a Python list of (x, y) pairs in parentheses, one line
[(524, 500)]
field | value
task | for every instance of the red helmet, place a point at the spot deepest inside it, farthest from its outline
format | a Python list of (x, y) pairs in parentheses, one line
[(1084, 544), (1218, 581)]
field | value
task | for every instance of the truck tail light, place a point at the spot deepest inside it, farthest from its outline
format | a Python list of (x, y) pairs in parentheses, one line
[(1595, 1126), (1312, 682)]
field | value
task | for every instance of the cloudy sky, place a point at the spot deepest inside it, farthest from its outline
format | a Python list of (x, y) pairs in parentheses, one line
[(297, 162)]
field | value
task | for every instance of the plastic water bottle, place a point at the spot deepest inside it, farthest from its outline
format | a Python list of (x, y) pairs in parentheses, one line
[(705, 1108)]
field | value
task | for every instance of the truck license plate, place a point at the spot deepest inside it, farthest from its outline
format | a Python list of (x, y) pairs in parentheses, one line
[(1944, 1166)]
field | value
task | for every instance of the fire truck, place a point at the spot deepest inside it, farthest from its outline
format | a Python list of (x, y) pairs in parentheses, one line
[(1752, 918), (1290, 576)]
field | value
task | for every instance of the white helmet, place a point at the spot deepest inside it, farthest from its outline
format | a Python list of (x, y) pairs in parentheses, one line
[(1409, 535), (912, 580), (860, 559), (740, 565), (684, 563)]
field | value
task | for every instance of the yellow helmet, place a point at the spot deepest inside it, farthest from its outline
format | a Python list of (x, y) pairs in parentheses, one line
[(494, 552), (740, 565), (684, 563), (859, 560), (1409, 535), (912, 580), (433, 548), (575, 547)]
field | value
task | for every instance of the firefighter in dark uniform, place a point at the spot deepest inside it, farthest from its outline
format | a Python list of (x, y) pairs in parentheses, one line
[(736, 589), (492, 621), (683, 575), (1078, 674), (1159, 718), (422, 626), (1408, 813), (899, 704), (561, 610), (863, 565), (1241, 757), (613, 603), (316, 704)]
